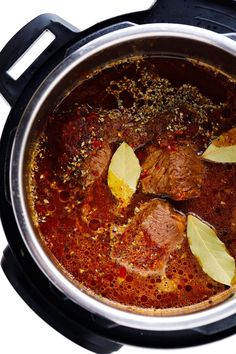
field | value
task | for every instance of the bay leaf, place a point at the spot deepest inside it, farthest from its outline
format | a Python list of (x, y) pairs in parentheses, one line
[(123, 173), (210, 251), (223, 148)]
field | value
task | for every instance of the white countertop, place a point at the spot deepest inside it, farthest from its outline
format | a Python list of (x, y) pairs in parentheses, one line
[(21, 330)]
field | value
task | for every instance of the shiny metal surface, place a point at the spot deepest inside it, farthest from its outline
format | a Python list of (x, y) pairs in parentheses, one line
[(156, 39)]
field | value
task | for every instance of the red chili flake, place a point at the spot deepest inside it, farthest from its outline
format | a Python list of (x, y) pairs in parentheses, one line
[(96, 143), (123, 272), (179, 132), (180, 196), (157, 167)]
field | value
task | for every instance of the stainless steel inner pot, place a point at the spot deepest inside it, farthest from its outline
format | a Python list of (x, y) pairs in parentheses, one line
[(150, 40)]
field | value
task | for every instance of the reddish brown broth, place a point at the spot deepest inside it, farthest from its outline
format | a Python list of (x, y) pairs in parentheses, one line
[(160, 96)]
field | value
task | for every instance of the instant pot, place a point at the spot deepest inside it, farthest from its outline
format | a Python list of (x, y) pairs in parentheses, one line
[(202, 30)]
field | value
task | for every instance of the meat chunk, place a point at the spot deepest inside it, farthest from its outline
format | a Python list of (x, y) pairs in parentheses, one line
[(95, 165), (70, 137), (122, 126), (177, 173), (149, 239)]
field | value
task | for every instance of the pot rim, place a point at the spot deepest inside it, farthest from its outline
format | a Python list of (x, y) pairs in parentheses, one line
[(35, 248)]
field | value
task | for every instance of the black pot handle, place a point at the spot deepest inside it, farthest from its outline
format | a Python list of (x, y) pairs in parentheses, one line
[(22, 40)]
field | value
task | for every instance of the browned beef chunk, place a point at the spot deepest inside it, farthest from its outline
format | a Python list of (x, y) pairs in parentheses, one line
[(177, 173), (70, 137), (121, 126), (95, 165), (86, 167), (150, 238)]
